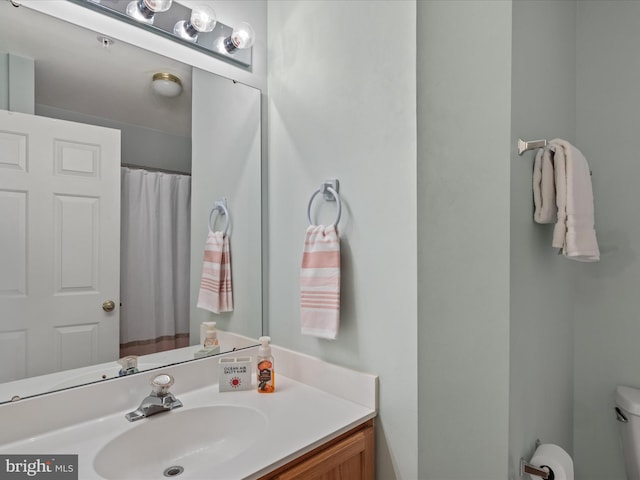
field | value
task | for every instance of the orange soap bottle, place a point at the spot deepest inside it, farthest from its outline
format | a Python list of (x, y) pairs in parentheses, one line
[(266, 373)]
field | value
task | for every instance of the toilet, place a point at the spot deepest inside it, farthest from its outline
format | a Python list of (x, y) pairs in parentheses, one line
[(628, 415)]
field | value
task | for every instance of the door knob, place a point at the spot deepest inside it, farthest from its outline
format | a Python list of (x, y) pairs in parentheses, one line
[(108, 306)]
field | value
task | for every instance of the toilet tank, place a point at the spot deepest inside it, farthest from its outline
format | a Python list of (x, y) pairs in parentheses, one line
[(628, 414)]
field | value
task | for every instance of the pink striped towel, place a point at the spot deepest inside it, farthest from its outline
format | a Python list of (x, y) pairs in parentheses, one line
[(320, 282), (216, 294)]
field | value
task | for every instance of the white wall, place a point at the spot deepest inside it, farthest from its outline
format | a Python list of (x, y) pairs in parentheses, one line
[(143, 147), (607, 319), (464, 92), (342, 104), (542, 283)]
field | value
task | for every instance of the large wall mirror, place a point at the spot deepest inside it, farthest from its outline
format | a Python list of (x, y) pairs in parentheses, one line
[(204, 144)]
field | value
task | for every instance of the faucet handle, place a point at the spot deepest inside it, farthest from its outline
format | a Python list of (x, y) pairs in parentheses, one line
[(161, 383), (129, 365)]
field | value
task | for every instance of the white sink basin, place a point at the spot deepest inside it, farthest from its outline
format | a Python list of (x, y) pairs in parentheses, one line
[(183, 443)]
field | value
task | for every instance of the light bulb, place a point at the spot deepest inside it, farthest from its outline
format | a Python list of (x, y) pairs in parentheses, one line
[(158, 5), (144, 10), (203, 19), (241, 37)]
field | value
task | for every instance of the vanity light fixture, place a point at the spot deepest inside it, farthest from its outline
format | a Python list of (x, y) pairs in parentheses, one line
[(196, 27), (166, 84), (242, 37), (202, 20), (145, 10)]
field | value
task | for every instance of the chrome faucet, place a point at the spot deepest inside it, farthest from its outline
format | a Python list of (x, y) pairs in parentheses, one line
[(159, 400)]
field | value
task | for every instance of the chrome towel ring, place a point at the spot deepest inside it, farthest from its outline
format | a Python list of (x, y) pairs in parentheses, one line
[(329, 189), (220, 208)]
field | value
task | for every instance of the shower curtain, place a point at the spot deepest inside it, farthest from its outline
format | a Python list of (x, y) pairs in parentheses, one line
[(154, 278)]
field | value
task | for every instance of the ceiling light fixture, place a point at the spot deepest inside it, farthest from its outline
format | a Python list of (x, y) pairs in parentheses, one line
[(166, 84), (202, 20), (144, 10)]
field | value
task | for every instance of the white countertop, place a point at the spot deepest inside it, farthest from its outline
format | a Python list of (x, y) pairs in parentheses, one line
[(299, 418), (300, 415)]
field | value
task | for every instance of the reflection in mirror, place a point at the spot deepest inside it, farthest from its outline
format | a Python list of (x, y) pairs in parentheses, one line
[(118, 305)]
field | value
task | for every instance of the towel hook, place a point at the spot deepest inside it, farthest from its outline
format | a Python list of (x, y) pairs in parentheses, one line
[(220, 207), (329, 189)]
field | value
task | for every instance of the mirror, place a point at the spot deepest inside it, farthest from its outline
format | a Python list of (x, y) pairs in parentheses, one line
[(82, 78)]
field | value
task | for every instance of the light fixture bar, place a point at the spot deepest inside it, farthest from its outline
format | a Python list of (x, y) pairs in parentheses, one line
[(210, 43)]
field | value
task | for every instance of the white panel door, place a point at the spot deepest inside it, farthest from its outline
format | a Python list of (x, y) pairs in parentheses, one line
[(59, 244)]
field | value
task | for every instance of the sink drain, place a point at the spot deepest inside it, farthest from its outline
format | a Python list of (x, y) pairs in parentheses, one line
[(173, 471)]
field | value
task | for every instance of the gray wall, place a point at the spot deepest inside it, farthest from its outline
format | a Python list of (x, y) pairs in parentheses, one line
[(17, 83), (515, 342), (495, 300), (607, 318), (542, 283), (342, 100), (226, 163), (464, 92), (482, 263)]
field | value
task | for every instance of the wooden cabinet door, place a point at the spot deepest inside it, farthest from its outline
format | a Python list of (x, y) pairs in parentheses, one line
[(350, 458)]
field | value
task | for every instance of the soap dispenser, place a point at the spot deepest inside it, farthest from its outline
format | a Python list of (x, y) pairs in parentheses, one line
[(211, 337), (204, 326), (211, 344), (266, 373)]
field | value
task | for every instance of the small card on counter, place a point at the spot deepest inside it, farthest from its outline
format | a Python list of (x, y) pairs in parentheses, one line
[(235, 374)]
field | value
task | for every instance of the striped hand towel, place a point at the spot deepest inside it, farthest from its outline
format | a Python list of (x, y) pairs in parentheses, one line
[(216, 294), (320, 282)]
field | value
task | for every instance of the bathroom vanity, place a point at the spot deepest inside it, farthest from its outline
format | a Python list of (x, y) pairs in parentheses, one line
[(319, 421), (351, 456)]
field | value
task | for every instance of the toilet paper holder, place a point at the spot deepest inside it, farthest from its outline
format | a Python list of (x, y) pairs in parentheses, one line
[(526, 467), (530, 469)]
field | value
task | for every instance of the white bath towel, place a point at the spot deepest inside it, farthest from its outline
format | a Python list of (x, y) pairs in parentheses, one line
[(574, 231), (320, 282), (544, 189), (216, 293)]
